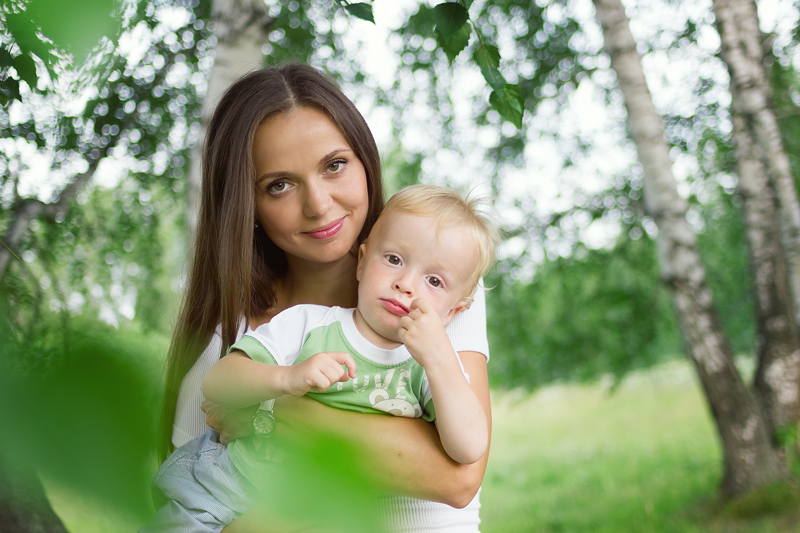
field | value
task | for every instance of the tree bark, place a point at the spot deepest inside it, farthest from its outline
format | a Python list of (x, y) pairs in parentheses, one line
[(749, 458), (778, 370), (742, 51), (241, 27)]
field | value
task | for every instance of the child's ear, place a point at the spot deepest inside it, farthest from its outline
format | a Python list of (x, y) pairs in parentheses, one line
[(360, 267), (461, 305)]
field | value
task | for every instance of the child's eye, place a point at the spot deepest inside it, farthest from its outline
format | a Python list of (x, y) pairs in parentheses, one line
[(434, 281), (392, 259)]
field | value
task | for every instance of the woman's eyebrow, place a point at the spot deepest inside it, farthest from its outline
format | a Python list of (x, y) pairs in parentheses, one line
[(271, 175), (334, 152), (283, 173)]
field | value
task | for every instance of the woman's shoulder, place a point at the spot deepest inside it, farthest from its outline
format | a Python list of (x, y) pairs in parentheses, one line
[(298, 315)]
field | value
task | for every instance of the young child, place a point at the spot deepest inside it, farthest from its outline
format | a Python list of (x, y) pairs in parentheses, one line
[(417, 269)]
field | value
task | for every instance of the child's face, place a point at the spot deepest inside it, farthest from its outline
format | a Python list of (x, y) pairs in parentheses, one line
[(405, 258)]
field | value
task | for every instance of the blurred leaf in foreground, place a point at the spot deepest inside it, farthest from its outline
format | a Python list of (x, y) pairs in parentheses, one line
[(74, 26), (319, 483), (84, 418)]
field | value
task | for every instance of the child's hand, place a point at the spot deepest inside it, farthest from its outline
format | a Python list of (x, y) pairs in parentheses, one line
[(422, 331), (319, 372)]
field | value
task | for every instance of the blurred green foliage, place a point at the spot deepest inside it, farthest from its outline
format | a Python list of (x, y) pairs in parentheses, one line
[(579, 318), (73, 26), (80, 409), (723, 248), (329, 473), (785, 81)]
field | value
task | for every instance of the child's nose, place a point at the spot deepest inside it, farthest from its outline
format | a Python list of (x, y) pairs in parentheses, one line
[(404, 284)]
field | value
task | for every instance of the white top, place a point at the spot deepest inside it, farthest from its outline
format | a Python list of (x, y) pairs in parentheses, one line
[(467, 332)]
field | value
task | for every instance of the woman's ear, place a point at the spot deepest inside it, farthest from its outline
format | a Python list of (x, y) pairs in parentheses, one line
[(361, 250)]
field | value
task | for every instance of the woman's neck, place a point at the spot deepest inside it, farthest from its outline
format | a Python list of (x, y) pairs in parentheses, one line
[(332, 284)]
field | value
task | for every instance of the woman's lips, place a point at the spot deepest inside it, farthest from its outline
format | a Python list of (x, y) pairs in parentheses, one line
[(326, 232), (395, 307)]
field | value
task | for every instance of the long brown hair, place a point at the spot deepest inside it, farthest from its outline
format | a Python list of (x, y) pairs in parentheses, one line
[(236, 267)]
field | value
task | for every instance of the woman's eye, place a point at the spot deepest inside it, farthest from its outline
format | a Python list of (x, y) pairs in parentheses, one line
[(336, 166), (393, 259), (434, 282), (277, 186)]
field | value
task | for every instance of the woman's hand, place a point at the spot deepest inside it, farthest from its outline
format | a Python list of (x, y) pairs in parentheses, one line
[(231, 424)]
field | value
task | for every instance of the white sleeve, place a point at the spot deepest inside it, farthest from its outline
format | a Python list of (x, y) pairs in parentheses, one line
[(190, 421), (467, 331), (283, 336)]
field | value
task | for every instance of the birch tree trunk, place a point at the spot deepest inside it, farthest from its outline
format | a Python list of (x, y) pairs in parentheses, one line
[(241, 28), (749, 458), (742, 51), (778, 356)]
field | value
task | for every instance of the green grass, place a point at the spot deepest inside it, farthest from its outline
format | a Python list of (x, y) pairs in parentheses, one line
[(642, 458)]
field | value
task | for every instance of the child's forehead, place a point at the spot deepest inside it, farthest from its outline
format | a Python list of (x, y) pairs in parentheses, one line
[(421, 231), (396, 222)]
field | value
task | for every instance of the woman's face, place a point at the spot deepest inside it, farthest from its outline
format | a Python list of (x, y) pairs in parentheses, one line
[(311, 189)]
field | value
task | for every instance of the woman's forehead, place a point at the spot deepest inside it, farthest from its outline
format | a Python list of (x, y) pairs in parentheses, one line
[(299, 135)]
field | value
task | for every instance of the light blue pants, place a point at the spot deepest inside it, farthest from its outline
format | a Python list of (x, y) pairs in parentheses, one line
[(205, 490)]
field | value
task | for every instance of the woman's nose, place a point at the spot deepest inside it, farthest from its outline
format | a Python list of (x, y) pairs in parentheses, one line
[(318, 200)]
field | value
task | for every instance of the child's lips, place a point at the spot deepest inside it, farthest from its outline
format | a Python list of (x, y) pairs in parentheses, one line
[(394, 307)]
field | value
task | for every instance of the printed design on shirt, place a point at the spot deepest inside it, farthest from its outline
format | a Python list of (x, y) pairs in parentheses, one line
[(378, 393), (380, 400)]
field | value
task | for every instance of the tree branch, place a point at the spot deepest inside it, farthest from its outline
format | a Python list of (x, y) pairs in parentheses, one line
[(28, 209)]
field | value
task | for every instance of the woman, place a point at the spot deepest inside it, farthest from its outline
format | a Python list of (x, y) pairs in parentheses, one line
[(291, 187)]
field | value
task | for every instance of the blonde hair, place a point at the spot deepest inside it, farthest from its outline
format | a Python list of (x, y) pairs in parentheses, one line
[(447, 207)]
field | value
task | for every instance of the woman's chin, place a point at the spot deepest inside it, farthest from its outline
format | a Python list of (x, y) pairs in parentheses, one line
[(327, 255)]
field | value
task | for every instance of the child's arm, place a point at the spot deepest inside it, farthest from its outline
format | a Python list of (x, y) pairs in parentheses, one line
[(237, 381), (460, 418)]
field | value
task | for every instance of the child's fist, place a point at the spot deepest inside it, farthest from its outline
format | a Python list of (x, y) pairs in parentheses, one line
[(319, 372), (422, 331)]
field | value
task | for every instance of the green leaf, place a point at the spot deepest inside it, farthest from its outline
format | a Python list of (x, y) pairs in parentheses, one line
[(493, 77), (449, 18), (466, 3), (23, 31), (487, 56), (362, 11), (9, 91), (456, 43), (26, 68), (509, 104), (73, 26), (5, 59)]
